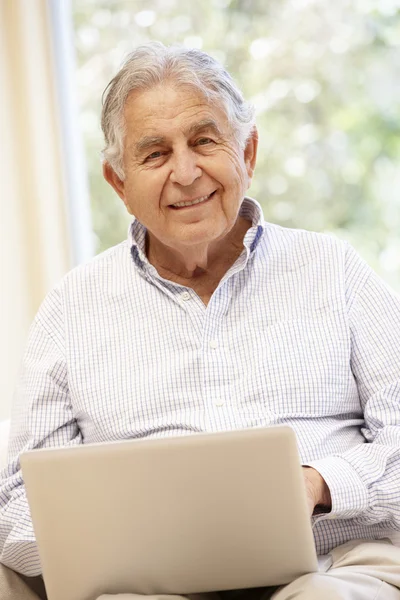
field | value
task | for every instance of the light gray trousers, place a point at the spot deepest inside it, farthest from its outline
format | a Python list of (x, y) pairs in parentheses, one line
[(361, 570)]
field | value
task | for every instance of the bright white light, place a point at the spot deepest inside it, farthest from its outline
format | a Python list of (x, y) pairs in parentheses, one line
[(392, 37), (371, 144), (261, 47), (277, 185), (339, 45), (88, 36), (261, 102), (307, 134), (295, 166), (145, 18), (122, 18), (388, 8), (283, 211), (193, 41), (102, 18), (181, 23), (89, 122), (390, 257), (338, 140), (307, 90), (222, 3), (278, 89), (353, 171), (301, 4), (365, 6), (306, 49)]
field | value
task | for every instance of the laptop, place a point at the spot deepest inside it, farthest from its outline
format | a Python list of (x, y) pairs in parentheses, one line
[(176, 515)]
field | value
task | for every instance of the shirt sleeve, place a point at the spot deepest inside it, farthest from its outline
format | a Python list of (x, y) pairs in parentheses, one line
[(365, 480), (42, 417)]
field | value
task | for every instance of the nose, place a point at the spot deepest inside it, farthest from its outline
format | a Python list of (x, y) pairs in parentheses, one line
[(185, 169)]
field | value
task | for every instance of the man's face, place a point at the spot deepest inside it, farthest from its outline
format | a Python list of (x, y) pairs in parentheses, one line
[(180, 149)]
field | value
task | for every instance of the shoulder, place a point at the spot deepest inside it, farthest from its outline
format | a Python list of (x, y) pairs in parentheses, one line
[(89, 282), (100, 276), (297, 247), (100, 266), (318, 256)]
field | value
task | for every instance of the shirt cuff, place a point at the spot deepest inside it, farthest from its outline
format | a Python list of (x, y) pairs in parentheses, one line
[(349, 494)]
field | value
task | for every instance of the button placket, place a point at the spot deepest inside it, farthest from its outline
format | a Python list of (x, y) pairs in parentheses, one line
[(214, 362)]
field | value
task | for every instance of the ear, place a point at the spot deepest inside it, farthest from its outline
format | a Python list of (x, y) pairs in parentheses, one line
[(115, 181), (250, 153)]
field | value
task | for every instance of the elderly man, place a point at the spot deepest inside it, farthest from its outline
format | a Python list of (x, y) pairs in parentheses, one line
[(210, 319)]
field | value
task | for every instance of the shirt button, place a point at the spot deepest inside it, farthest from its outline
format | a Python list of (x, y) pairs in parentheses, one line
[(213, 344), (185, 296), (219, 402)]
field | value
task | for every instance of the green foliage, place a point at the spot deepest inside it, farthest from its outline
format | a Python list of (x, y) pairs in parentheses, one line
[(323, 76)]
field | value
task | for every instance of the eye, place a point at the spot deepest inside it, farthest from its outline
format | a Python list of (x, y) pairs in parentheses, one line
[(154, 155), (204, 141)]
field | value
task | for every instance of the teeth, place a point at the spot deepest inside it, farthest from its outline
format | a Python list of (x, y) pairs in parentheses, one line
[(179, 204)]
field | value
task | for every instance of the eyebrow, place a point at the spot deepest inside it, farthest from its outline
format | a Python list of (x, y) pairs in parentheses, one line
[(148, 142), (205, 125)]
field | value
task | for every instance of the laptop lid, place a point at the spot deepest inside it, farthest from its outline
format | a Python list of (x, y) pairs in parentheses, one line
[(176, 515)]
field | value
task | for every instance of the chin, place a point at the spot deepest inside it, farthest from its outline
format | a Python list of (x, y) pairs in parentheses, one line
[(201, 238), (203, 232)]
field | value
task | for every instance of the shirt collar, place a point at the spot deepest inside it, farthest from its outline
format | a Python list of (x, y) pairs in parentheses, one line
[(250, 210)]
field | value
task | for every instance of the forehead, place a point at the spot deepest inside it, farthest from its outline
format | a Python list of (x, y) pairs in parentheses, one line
[(167, 110)]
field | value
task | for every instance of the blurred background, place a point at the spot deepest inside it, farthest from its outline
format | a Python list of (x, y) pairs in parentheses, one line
[(325, 80)]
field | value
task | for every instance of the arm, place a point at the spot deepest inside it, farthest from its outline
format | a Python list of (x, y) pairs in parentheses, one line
[(42, 417), (364, 482)]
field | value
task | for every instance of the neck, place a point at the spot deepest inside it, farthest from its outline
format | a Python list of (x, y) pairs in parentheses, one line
[(189, 263)]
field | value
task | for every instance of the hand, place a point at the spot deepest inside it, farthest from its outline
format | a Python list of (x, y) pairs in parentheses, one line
[(316, 489)]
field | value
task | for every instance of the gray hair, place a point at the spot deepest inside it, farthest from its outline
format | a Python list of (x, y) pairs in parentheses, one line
[(154, 63)]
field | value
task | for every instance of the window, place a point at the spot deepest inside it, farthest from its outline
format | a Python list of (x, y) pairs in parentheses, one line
[(324, 78)]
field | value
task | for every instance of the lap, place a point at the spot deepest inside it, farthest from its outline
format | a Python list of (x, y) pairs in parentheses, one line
[(361, 570)]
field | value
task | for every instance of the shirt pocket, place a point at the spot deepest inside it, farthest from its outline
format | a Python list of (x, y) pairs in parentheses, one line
[(304, 366)]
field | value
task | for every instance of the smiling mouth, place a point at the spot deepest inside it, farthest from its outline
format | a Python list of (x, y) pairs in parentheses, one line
[(200, 200)]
